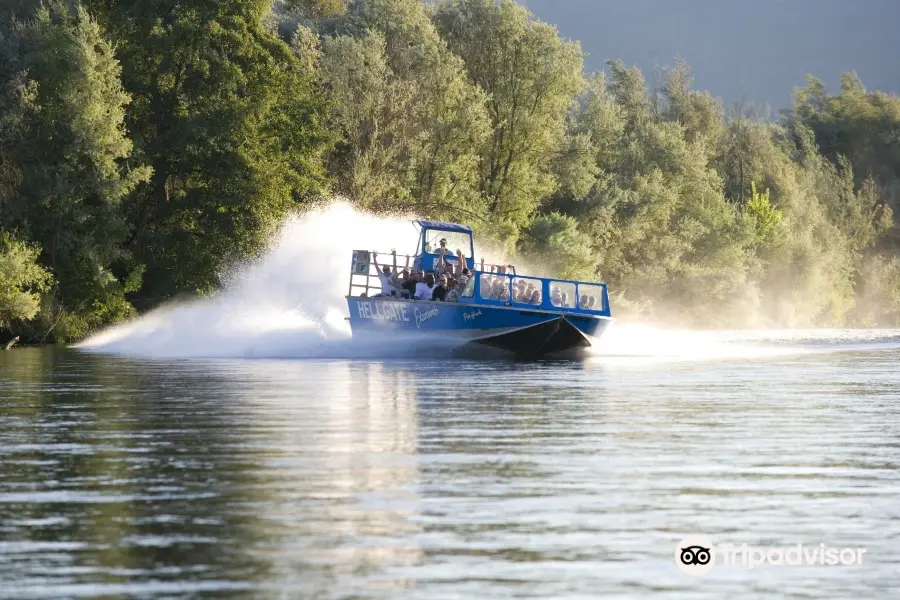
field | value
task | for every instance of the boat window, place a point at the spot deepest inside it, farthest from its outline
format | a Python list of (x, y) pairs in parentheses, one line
[(590, 297), (562, 294), (469, 290), (495, 287), (526, 291), (456, 240)]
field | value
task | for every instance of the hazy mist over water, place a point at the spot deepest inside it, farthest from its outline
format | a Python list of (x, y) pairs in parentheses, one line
[(753, 51)]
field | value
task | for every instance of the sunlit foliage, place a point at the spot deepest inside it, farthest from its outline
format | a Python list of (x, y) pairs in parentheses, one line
[(145, 147)]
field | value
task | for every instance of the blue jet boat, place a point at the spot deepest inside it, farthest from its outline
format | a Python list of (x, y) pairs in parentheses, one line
[(564, 316)]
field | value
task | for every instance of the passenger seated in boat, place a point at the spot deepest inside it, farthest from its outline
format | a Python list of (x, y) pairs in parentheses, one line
[(519, 291), (386, 276), (527, 291), (493, 287), (416, 277), (536, 297), (556, 296), (402, 283), (425, 289), (587, 302), (487, 287), (440, 291), (454, 294)]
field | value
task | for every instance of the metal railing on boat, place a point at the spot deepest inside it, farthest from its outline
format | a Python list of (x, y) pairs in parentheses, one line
[(363, 264)]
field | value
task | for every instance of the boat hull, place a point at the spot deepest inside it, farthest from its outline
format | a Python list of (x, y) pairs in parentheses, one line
[(523, 333)]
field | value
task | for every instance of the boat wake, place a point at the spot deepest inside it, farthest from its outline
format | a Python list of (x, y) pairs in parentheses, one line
[(290, 304), (638, 344)]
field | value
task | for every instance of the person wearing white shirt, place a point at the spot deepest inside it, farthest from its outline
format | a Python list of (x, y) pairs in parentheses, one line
[(425, 289), (385, 276)]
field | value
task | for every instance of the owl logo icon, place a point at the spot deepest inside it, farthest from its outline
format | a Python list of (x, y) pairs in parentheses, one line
[(695, 555)]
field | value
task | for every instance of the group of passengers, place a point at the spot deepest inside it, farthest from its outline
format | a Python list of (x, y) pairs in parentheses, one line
[(496, 287), (448, 281), (525, 292), (444, 284), (560, 298)]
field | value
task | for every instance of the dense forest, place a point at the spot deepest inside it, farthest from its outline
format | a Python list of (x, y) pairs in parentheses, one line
[(147, 146)]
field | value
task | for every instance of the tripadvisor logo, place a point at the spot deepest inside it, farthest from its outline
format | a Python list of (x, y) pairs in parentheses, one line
[(696, 555)]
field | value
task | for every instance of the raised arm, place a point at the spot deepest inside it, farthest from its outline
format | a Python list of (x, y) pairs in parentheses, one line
[(375, 261), (394, 254)]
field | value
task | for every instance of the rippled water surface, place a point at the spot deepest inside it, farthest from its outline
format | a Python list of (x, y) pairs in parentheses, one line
[(450, 479)]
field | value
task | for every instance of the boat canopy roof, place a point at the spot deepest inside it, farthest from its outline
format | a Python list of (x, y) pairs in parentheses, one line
[(444, 226)]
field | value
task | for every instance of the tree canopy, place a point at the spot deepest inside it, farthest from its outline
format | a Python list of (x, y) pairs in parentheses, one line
[(145, 147)]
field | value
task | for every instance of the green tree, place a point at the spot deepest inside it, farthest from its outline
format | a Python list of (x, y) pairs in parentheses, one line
[(657, 216), (317, 9), (532, 77), (232, 125), (554, 244), (700, 113), (365, 98), (861, 126), (22, 280), (411, 123), (71, 149), (629, 89), (604, 120), (765, 218)]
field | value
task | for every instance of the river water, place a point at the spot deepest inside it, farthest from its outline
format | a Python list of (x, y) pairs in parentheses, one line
[(432, 478)]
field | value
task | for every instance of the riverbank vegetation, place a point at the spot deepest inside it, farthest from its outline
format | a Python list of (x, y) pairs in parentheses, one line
[(147, 146)]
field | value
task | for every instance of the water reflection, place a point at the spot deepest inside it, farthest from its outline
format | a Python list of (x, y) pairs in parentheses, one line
[(117, 471), (363, 478)]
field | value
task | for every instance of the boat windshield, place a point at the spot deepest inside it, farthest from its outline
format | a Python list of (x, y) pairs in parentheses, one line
[(456, 240)]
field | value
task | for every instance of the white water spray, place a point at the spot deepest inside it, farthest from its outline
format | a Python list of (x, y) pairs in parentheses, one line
[(290, 303)]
